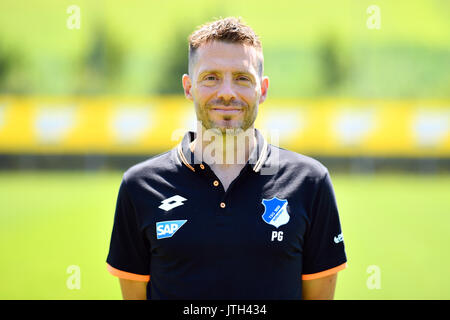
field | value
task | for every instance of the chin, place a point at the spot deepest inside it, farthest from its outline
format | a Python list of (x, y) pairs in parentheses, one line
[(230, 130), (226, 126)]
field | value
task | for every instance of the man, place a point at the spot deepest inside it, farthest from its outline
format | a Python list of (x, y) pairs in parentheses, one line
[(225, 215)]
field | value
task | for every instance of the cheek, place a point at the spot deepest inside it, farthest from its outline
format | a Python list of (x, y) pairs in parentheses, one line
[(204, 95), (250, 95), (204, 92)]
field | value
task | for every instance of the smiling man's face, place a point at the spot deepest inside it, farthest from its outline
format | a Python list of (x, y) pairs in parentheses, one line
[(225, 85)]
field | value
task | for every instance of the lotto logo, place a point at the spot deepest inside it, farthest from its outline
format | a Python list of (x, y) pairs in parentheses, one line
[(172, 202), (166, 229), (338, 238)]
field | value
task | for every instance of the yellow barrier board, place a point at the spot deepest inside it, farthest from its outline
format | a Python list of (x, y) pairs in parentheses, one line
[(327, 127)]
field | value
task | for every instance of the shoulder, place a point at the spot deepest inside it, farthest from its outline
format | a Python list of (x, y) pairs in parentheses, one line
[(298, 164), (150, 168)]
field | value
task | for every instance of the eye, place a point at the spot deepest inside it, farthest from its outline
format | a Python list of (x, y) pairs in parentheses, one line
[(210, 77), (243, 78)]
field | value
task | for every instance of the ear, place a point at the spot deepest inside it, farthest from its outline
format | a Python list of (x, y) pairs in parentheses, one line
[(264, 88), (187, 85)]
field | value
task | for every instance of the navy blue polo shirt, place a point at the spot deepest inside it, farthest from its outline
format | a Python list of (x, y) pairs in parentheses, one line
[(177, 228)]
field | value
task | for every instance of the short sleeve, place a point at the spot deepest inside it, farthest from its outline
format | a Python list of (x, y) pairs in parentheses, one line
[(129, 254), (324, 251)]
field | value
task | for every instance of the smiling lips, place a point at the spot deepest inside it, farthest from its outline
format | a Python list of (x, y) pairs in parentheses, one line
[(227, 110)]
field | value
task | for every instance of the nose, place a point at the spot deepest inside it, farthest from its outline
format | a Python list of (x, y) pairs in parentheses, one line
[(226, 92)]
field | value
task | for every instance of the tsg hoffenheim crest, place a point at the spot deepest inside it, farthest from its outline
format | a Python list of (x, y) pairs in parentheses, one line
[(275, 212)]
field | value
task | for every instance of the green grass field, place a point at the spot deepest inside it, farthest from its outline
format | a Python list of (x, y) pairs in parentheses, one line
[(51, 220)]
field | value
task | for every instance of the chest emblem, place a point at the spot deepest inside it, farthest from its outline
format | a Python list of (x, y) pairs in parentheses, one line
[(275, 212)]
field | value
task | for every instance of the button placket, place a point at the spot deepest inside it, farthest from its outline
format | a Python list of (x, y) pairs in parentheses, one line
[(215, 187)]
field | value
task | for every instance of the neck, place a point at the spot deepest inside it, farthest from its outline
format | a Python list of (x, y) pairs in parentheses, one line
[(224, 150)]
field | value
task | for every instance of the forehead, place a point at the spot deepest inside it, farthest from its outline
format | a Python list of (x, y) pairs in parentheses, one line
[(223, 56)]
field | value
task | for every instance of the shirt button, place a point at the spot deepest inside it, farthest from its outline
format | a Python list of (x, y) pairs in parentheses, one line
[(215, 183), (222, 205), (202, 166)]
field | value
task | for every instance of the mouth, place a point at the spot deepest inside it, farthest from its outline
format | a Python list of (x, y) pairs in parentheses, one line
[(227, 110)]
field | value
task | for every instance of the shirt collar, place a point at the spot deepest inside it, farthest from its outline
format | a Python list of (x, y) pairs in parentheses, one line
[(256, 159)]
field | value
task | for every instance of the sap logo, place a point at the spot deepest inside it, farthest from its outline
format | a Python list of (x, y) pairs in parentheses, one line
[(166, 229)]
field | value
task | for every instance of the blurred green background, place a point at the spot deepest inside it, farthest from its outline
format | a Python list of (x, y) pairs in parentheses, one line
[(311, 48), (398, 220)]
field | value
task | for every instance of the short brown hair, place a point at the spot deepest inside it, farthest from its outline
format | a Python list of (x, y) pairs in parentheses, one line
[(229, 29)]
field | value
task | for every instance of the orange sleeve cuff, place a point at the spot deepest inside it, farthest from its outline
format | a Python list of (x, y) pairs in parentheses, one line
[(325, 273), (127, 275)]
